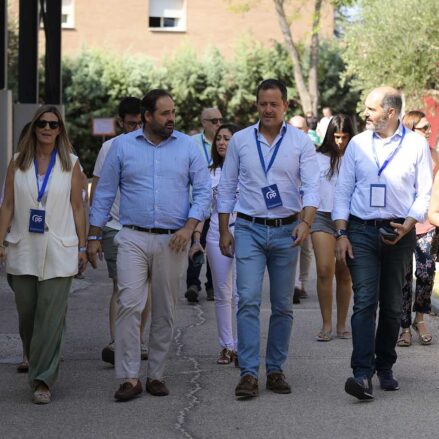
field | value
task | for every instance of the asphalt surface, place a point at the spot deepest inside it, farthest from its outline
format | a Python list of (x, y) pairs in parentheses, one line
[(202, 403)]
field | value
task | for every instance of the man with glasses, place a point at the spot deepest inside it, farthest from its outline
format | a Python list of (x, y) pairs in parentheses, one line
[(211, 119), (129, 120)]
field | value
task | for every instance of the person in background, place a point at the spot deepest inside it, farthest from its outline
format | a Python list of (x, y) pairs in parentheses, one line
[(322, 126), (340, 131), (44, 213), (129, 120), (425, 262), (222, 267), (211, 119), (312, 122)]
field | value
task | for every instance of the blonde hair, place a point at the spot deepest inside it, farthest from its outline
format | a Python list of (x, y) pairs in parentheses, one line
[(412, 118), (28, 143)]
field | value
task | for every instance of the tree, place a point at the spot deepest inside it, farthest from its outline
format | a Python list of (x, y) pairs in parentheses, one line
[(395, 45)]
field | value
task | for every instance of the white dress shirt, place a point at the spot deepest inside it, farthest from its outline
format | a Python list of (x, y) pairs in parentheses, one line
[(294, 171), (408, 177)]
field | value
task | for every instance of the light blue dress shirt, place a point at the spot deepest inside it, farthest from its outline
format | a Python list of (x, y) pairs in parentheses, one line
[(205, 149), (295, 171), (408, 177), (154, 182)]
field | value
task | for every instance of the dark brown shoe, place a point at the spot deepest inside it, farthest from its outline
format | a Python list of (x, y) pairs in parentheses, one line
[(247, 387), (296, 296), (156, 387), (276, 383), (127, 391)]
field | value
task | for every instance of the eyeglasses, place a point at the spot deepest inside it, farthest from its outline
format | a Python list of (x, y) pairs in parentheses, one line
[(215, 120), (53, 124), (132, 125), (424, 129)]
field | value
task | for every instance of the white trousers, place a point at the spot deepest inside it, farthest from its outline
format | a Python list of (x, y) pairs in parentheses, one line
[(304, 262), (226, 297), (142, 256)]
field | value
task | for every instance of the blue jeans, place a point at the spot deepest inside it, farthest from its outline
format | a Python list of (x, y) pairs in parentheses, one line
[(257, 247), (378, 275)]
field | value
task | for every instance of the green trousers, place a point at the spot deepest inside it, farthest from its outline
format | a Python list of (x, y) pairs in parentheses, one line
[(42, 308)]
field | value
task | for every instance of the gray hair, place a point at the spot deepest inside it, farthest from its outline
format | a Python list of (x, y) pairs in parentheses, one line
[(392, 100)]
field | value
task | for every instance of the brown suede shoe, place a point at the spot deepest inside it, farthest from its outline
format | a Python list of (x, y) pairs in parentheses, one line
[(247, 387), (127, 391), (276, 383), (156, 387)]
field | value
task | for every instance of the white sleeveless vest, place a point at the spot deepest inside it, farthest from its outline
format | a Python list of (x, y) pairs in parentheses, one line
[(53, 253)]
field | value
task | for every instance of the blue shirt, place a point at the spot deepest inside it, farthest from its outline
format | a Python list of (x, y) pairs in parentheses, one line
[(294, 171), (205, 148), (154, 182), (408, 177)]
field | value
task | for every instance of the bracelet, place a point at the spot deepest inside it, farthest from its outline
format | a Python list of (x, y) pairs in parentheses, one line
[(94, 238), (306, 222), (82, 249)]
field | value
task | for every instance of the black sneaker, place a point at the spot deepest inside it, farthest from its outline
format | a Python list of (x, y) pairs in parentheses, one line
[(108, 353), (296, 295), (192, 294), (387, 381), (210, 295), (361, 388)]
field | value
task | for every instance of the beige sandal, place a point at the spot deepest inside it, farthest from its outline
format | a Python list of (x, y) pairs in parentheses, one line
[(425, 338), (405, 338)]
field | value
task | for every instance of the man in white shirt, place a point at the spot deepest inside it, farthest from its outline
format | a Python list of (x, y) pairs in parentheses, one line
[(322, 126), (211, 120), (129, 120), (382, 190), (271, 161)]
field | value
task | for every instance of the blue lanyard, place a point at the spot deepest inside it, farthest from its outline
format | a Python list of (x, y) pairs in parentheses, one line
[(208, 159), (46, 177), (276, 149), (391, 155)]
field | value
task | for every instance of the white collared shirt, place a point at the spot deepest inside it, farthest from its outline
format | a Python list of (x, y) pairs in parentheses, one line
[(408, 177), (294, 171)]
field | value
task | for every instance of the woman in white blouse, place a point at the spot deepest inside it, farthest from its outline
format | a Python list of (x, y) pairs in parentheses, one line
[(339, 133)]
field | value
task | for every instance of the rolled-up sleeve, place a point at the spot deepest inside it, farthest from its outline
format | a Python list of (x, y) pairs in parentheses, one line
[(423, 184), (345, 186), (201, 186), (309, 175), (106, 189), (229, 180)]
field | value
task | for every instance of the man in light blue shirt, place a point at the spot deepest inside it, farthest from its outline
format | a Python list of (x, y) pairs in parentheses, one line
[(270, 162), (211, 120), (382, 190), (153, 167)]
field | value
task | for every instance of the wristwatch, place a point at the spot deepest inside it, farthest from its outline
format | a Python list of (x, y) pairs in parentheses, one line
[(340, 233)]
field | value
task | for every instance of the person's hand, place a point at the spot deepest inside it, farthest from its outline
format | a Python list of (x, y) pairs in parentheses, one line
[(400, 229), (227, 244), (343, 246), (82, 262), (300, 233), (180, 239), (195, 247), (2, 255), (94, 250)]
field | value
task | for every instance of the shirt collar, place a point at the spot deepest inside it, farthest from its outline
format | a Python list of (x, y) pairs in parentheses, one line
[(141, 134), (398, 133), (203, 137), (282, 128)]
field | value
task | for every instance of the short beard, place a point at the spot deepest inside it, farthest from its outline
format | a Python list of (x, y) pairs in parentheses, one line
[(161, 133), (378, 126)]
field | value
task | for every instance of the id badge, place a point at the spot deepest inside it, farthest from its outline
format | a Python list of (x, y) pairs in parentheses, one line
[(37, 220), (271, 196), (378, 195)]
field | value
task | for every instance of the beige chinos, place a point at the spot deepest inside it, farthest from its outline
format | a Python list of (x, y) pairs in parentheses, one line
[(42, 308), (142, 256)]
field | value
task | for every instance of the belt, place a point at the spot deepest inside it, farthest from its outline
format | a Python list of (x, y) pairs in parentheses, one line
[(271, 222), (376, 222), (151, 230)]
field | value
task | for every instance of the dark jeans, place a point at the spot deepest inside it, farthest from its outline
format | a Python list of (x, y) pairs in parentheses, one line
[(193, 273), (378, 276)]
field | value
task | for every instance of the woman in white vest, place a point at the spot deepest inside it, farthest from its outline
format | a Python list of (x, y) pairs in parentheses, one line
[(42, 221)]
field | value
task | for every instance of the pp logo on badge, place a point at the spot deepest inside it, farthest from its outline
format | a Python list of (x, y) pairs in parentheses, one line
[(37, 218), (271, 194)]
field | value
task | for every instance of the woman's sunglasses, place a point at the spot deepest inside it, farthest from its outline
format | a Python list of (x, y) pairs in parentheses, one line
[(53, 124)]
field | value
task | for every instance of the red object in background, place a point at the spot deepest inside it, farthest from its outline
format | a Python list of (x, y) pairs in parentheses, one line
[(431, 109)]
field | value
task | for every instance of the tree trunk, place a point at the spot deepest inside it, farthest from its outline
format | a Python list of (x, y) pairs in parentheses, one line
[(309, 96)]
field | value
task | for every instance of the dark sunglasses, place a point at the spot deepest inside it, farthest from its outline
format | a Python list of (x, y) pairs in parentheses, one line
[(53, 124), (424, 128), (215, 120)]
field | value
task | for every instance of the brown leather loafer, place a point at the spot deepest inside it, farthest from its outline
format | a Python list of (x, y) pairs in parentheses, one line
[(247, 387), (127, 391), (156, 387), (276, 383)]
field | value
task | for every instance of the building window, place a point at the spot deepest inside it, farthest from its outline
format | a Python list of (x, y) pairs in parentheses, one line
[(167, 15), (67, 14)]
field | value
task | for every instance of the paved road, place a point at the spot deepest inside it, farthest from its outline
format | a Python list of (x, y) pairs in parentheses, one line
[(201, 404)]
